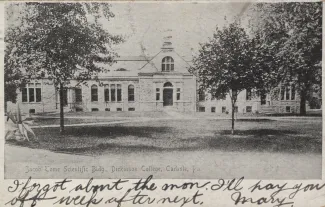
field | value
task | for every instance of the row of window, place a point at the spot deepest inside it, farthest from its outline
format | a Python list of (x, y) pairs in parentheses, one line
[(248, 109), (288, 92), (32, 93), (112, 92), (224, 109), (117, 109), (178, 94)]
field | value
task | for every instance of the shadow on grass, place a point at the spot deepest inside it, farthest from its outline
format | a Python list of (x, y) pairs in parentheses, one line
[(109, 132), (93, 140), (258, 132), (279, 145), (284, 144), (254, 120)]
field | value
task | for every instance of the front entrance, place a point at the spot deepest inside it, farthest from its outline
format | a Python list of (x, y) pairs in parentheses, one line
[(168, 97), (168, 94)]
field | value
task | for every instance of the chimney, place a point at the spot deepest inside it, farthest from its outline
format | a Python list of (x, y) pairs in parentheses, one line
[(167, 44)]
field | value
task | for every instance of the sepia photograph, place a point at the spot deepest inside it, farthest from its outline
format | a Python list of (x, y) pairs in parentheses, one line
[(176, 90)]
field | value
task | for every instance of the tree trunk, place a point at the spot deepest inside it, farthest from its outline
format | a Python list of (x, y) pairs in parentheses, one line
[(303, 98), (61, 110), (233, 103), (233, 118)]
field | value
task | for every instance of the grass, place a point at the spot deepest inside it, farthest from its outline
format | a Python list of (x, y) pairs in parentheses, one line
[(56, 121), (285, 136)]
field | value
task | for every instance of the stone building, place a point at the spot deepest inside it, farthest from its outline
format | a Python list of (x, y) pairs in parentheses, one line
[(157, 83)]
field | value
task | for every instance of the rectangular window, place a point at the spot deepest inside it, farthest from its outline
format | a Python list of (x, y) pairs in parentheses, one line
[(213, 109), (24, 95), (31, 94), (248, 109), (293, 92), (236, 109), (94, 109), (78, 94), (201, 109), (38, 95), (223, 109), (282, 92), (119, 92), (118, 109), (178, 94), (113, 92), (131, 109), (79, 109), (106, 93), (248, 94), (157, 94), (130, 93), (107, 109), (201, 96), (38, 92), (287, 93), (288, 109)]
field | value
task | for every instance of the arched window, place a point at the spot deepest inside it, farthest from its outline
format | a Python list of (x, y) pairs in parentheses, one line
[(94, 93), (167, 64), (168, 84), (113, 97), (131, 93)]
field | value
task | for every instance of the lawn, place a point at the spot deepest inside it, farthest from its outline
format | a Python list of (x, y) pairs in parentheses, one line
[(283, 135), (67, 121)]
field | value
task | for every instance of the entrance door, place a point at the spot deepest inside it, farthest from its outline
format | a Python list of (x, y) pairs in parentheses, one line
[(168, 97)]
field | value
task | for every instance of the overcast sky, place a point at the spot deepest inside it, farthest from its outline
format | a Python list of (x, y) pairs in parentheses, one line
[(145, 25)]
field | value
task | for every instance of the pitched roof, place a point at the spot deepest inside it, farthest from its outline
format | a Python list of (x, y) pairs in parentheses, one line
[(134, 58)]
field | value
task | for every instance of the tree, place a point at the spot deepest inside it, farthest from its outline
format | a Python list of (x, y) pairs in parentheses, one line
[(292, 33), (61, 42), (223, 64), (13, 76)]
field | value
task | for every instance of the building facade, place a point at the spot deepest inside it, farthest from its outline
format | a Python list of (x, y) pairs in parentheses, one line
[(161, 82)]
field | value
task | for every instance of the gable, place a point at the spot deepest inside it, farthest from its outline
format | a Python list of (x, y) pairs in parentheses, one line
[(155, 64)]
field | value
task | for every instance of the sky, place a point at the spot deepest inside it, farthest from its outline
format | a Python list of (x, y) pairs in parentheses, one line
[(144, 25)]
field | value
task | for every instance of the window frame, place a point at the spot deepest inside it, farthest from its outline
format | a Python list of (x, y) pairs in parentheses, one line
[(249, 107), (157, 94), (288, 93), (131, 93), (202, 95), (77, 95), (167, 64), (113, 91), (107, 93), (92, 94), (119, 97), (178, 94), (34, 88)]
